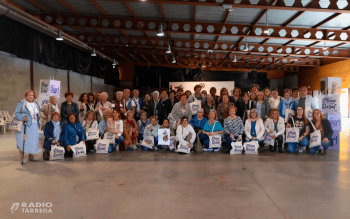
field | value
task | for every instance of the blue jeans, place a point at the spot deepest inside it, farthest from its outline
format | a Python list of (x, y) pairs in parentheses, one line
[(325, 145), (292, 147), (206, 141), (229, 141), (140, 136), (119, 140)]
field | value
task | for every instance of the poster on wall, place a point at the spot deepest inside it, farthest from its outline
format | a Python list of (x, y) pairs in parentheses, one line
[(206, 85), (44, 90), (329, 104), (55, 87)]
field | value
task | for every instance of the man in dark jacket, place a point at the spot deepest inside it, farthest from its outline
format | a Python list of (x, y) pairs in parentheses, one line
[(68, 107), (164, 106)]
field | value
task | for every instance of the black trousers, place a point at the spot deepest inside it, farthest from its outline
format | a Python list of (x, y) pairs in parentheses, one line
[(90, 145), (68, 153), (278, 143)]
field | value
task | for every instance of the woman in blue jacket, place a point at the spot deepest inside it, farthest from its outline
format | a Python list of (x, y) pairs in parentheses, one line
[(52, 132), (198, 123), (287, 103), (70, 132)]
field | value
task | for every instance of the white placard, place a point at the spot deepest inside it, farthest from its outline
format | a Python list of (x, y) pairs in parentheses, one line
[(44, 89), (163, 136), (329, 104), (55, 88)]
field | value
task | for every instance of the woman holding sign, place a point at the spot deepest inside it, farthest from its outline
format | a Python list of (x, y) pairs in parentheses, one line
[(319, 123), (299, 121), (185, 134), (254, 127), (275, 128), (52, 133), (89, 123), (151, 130), (223, 108), (70, 132), (212, 128), (233, 127)]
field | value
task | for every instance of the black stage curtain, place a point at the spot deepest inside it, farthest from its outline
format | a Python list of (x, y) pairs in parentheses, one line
[(27, 43), (148, 77)]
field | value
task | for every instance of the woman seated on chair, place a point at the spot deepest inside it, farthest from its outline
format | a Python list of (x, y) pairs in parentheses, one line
[(211, 127), (185, 134), (254, 128), (52, 132), (70, 131), (151, 130), (233, 127), (300, 122), (131, 132), (90, 122), (275, 127)]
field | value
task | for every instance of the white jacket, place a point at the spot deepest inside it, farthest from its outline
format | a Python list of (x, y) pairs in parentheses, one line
[(181, 134), (259, 128), (274, 103), (280, 126)]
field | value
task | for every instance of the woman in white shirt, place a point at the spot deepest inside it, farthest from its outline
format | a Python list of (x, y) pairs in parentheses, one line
[(254, 127), (90, 122), (275, 127), (275, 100), (185, 134), (115, 126)]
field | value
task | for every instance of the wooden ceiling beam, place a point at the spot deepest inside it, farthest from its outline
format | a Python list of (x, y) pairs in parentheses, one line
[(133, 13), (15, 5), (99, 8), (69, 7), (39, 6)]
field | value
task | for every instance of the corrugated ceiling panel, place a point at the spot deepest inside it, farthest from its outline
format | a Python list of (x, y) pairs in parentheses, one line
[(178, 12), (309, 19), (340, 22), (84, 7), (135, 33), (146, 10), (112, 31), (228, 39), (276, 41), (210, 14), (27, 5), (68, 29), (301, 43), (244, 15), (205, 37), (277, 17), (327, 44), (253, 40), (53, 6), (89, 30), (252, 1), (118, 9), (181, 36), (346, 46)]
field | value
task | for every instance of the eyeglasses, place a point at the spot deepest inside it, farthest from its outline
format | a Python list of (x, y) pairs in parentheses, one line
[(299, 109)]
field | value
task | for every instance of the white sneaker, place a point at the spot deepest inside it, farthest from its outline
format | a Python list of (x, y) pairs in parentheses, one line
[(24, 161), (301, 150), (135, 147), (116, 147)]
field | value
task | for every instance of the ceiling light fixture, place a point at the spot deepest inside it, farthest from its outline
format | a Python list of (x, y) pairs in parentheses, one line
[(267, 24), (93, 52), (246, 47), (324, 46), (234, 59), (168, 49), (59, 36), (114, 63), (160, 31), (174, 60)]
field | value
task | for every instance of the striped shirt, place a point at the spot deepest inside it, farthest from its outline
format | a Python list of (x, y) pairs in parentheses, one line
[(234, 126)]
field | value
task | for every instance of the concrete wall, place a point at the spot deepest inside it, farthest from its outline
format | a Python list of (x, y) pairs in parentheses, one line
[(15, 80)]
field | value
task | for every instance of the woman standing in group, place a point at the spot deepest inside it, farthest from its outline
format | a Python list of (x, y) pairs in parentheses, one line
[(102, 106), (262, 106), (212, 92), (223, 107), (130, 131), (223, 92), (120, 105), (142, 123), (287, 103), (325, 127), (236, 98), (233, 127), (71, 130), (245, 106), (209, 105), (300, 122), (164, 106), (52, 133), (254, 128), (90, 102), (90, 122), (151, 130), (172, 98), (28, 111), (97, 98), (182, 109), (212, 127), (82, 104), (149, 106), (275, 127)]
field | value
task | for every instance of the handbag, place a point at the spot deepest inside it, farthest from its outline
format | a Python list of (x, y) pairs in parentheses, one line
[(183, 148), (79, 150), (172, 121), (172, 143), (195, 106), (57, 152), (315, 137), (292, 134), (308, 112), (102, 146), (151, 143), (16, 124), (269, 140), (109, 137), (289, 113), (92, 134), (198, 147), (237, 147), (251, 147), (215, 140)]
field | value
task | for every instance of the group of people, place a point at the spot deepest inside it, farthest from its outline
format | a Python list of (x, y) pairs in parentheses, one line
[(242, 117)]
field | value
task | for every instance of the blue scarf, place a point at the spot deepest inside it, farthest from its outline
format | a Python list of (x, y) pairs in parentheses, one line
[(56, 130)]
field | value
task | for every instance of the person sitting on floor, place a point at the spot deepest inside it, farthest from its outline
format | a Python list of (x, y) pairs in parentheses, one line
[(151, 130), (185, 134), (70, 131), (52, 133), (211, 127)]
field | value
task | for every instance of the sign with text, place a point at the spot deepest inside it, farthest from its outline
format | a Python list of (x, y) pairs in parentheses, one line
[(329, 104)]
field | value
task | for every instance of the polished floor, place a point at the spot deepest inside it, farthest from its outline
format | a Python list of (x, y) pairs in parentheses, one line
[(167, 185)]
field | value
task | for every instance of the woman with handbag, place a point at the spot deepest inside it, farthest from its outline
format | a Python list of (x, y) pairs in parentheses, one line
[(254, 128), (116, 128), (28, 111), (287, 104), (151, 130), (71, 130), (102, 106), (319, 123), (233, 127), (185, 134), (90, 122), (52, 133), (275, 127), (198, 123), (211, 128), (300, 122)]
